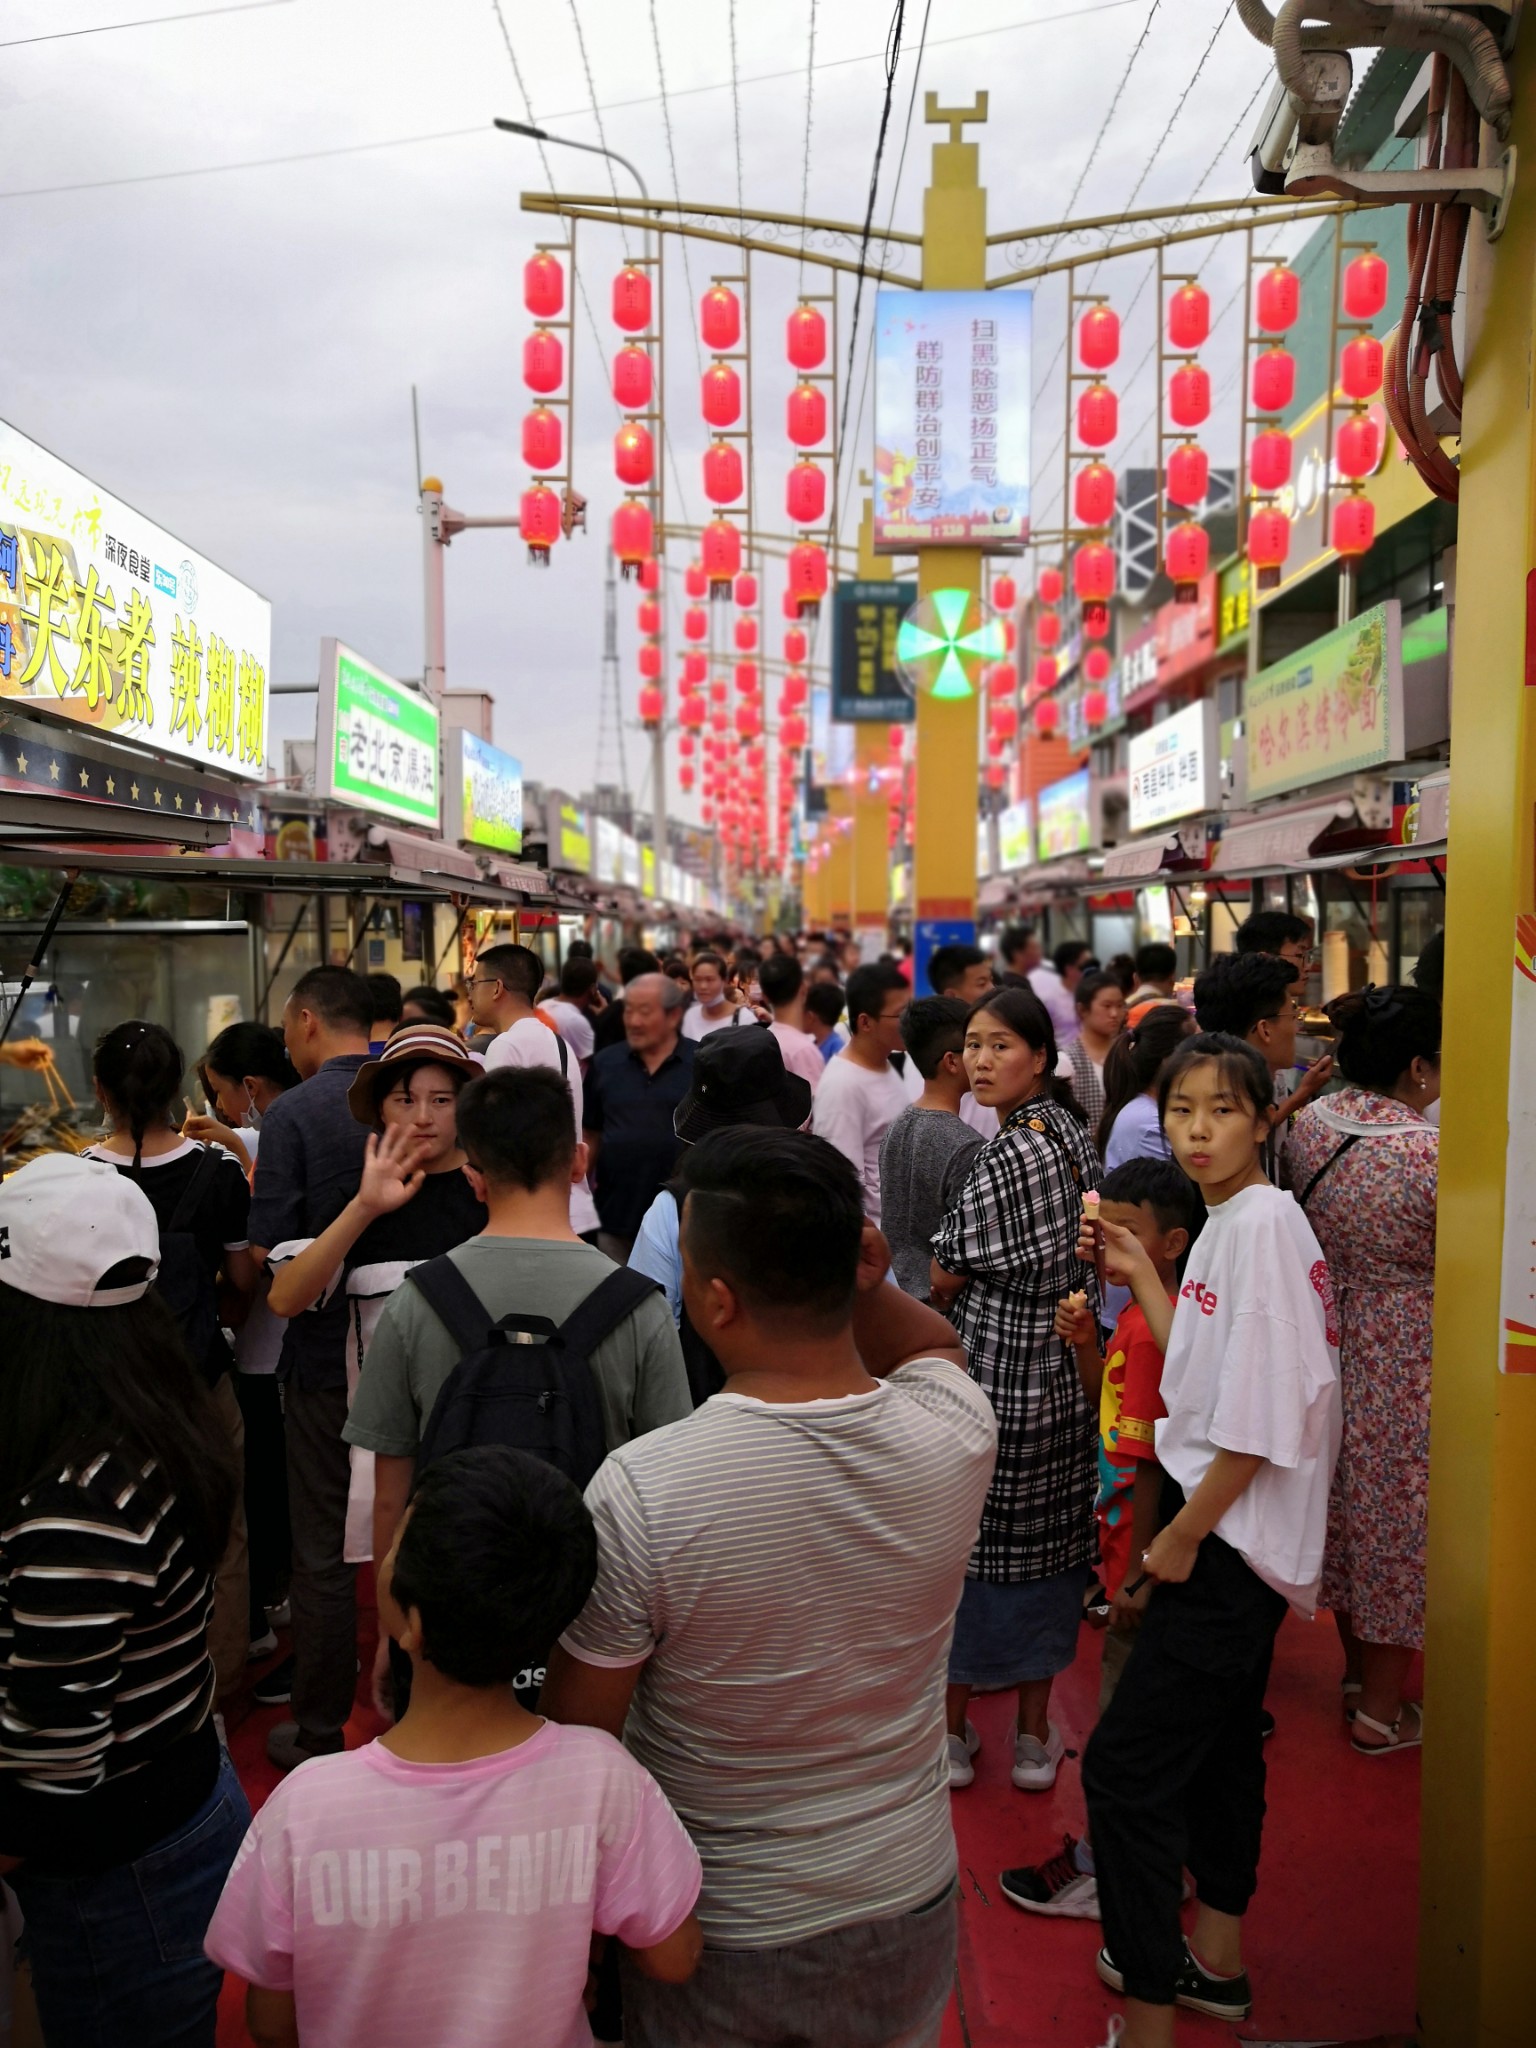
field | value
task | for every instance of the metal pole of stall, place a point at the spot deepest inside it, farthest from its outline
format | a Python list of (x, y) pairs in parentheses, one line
[(34, 966)]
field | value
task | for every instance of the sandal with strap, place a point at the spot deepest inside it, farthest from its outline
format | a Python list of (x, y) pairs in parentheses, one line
[(1397, 1736), (1350, 1690)]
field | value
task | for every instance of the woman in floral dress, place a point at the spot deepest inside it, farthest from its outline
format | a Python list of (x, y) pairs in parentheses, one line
[(1363, 1164)]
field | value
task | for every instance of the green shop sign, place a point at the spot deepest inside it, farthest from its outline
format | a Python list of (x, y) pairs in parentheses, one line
[(1335, 708), (377, 742)]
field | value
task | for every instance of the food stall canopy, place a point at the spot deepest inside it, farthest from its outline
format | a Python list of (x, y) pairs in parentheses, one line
[(1143, 857), (1280, 844), (73, 826), (287, 877)]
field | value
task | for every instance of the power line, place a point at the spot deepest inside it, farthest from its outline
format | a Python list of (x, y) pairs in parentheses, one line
[(666, 118), (805, 166), (1114, 105), (597, 115), (107, 28), (741, 225), (892, 55)]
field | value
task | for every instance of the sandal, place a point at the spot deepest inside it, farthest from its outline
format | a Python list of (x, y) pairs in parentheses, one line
[(1397, 1736), (1351, 1689)]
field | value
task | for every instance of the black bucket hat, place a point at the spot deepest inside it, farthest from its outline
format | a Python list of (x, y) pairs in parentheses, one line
[(739, 1078)]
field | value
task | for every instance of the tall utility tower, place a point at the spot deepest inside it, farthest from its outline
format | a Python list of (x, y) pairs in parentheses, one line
[(609, 764)]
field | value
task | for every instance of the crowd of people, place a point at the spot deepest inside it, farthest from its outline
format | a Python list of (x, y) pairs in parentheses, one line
[(725, 1369)]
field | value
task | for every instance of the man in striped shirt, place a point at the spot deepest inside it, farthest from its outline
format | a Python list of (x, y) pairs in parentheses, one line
[(777, 1582)]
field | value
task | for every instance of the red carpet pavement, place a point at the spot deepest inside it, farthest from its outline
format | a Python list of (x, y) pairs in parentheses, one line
[(1330, 1938)]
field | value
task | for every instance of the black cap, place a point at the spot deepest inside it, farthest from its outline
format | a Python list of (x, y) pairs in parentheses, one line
[(739, 1078)]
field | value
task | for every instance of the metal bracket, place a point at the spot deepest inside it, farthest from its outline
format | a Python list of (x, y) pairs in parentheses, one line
[(1313, 174)]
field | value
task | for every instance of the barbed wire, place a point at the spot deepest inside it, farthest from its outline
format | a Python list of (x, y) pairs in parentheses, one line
[(597, 115), (805, 166), (666, 119)]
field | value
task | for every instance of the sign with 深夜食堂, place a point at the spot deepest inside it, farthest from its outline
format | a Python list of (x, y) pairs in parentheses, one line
[(376, 740), (1333, 708), (1064, 816), (1175, 767), (867, 686), (108, 621), (952, 396), (484, 793), (1015, 837)]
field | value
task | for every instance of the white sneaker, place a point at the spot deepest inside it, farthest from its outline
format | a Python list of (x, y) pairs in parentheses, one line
[(972, 1739), (1035, 1763), (261, 1646), (281, 1615), (961, 1770)]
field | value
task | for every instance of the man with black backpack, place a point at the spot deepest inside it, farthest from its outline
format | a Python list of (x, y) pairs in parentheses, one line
[(523, 1335)]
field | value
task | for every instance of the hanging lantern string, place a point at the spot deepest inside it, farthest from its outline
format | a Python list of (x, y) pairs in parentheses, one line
[(741, 221), (666, 120), (597, 115)]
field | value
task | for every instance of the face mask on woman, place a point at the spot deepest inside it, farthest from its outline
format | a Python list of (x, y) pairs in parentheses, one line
[(250, 1116)]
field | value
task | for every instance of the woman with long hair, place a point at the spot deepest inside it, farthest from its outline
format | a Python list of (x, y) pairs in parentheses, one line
[(243, 1072), (1100, 1003), (1130, 1127), (120, 1813), (1003, 1258)]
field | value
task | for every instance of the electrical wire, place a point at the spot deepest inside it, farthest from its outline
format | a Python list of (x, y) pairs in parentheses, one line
[(677, 190), (892, 57), (107, 28), (741, 225), (1104, 125), (254, 163), (805, 166), (1222, 19), (597, 115)]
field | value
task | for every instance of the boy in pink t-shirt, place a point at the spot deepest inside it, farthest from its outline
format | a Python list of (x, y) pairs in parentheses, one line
[(445, 1882)]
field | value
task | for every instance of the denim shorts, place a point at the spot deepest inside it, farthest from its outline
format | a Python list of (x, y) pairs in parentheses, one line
[(1013, 1635), (117, 1957)]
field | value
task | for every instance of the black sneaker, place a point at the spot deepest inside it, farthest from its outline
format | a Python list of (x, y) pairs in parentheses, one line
[(1224, 1998), (276, 1689), (1057, 1887)]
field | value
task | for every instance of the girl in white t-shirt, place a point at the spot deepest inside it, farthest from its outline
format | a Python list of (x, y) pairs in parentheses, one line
[(1174, 1775)]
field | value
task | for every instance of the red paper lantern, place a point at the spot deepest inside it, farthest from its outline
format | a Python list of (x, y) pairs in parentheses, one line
[(1279, 299), (652, 705), (1274, 380), (746, 634), (805, 494), (719, 718), (1002, 679), (633, 378), (634, 535), (1010, 634), (719, 689), (632, 299), (1047, 629), (997, 746), (1365, 286), (1189, 474), (543, 361), (1098, 338), (805, 340), (1189, 318), (721, 549), (796, 688), (720, 395), (648, 617), (685, 745), (1093, 498), (795, 644), (695, 582), (1050, 586), (808, 577), (745, 590), (1269, 460), (1189, 395), (1361, 366), (650, 574), (1186, 557), (543, 286), (749, 721), (695, 669), (1097, 664), (692, 712), (1095, 707), (695, 623), (650, 660), (707, 813), (1269, 542), (1003, 720), (1093, 572), (1046, 676), (997, 775), (806, 415), (1047, 716), (542, 438), (634, 457), (720, 318), (1354, 526), (1357, 446), (724, 481), (1098, 416), (747, 678), (685, 776), (895, 740), (792, 730), (1005, 593), (538, 521)]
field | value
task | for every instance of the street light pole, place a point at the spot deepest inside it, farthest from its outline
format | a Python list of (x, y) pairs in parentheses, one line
[(659, 836)]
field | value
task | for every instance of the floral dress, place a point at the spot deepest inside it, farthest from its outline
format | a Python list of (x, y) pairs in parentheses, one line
[(1374, 1214)]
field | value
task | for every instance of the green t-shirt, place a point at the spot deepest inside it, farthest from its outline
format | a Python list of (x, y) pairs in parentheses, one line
[(639, 1368)]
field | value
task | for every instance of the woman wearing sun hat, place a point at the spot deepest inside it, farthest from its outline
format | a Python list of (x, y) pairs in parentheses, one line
[(120, 1812)]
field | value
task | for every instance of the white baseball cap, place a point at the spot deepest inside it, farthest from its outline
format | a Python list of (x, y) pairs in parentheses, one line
[(68, 1224)]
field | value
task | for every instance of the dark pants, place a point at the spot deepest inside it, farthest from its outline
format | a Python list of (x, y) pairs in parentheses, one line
[(117, 1958), (323, 1590), (1174, 1774), (266, 1491)]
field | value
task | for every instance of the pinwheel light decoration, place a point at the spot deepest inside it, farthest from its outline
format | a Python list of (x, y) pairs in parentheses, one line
[(944, 640)]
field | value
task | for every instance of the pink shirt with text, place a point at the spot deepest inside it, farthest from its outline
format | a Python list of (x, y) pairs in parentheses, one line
[(407, 1903)]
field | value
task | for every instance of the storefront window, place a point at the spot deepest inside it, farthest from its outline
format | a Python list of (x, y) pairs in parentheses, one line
[(1355, 928), (1420, 913)]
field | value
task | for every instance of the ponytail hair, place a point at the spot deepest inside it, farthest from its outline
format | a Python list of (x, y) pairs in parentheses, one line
[(1021, 1011), (1136, 1059), (138, 1067)]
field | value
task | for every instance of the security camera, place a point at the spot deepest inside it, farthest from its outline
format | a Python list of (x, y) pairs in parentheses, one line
[(1273, 140), (1311, 118)]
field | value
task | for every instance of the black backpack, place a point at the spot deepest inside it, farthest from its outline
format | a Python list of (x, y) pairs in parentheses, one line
[(184, 1282), (523, 1380)]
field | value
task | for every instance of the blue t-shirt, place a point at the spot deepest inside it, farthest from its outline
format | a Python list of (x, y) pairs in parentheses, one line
[(1137, 1134), (831, 1045)]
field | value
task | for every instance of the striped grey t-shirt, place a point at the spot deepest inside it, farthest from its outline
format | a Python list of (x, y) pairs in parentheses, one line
[(791, 1575)]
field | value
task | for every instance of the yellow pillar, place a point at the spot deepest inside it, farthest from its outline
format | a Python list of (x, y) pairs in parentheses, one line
[(944, 836), (1478, 1828), (871, 805), (839, 864)]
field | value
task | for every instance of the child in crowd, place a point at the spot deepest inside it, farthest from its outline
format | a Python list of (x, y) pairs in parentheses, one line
[(444, 1883), (823, 1017), (927, 1153), (1174, 1774), (1153, 1200)]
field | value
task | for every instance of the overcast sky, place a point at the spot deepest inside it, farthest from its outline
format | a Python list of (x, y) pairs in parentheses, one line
[(232, 351)]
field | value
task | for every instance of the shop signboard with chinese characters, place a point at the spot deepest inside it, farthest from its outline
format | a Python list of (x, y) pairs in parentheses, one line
[(1334, 708), (1175, 767), (567, 835), (867, 686), (108, 621), (1015, 837), (377, 741), (484, 793), (1394, 488), (1186, 634), (1065, 816), (1234, 602), (607, 851), (952, 397)]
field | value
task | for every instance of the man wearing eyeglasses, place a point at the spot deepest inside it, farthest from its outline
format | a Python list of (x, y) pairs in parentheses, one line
[(1253, 995)]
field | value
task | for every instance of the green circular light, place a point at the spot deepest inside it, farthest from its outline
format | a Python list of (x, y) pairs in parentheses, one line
[(943, 641)]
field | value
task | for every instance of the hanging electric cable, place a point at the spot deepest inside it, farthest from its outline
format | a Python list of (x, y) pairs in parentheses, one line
[(677, 190), (892, 58), (805, 163), (597, 115)]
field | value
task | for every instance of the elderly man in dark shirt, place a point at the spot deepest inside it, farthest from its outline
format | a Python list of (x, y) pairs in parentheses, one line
[(308, 1166), (632, 1090)]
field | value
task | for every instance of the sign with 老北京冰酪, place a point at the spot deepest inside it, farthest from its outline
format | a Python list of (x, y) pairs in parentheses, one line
[(867, 686), (376, 740), (108, 621)]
